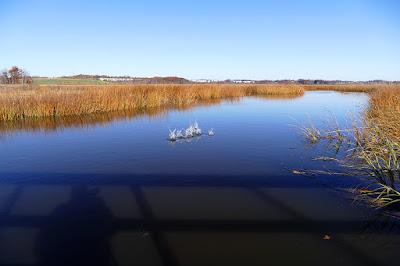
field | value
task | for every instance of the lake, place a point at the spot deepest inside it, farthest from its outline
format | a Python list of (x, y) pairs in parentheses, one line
[(112, 190)]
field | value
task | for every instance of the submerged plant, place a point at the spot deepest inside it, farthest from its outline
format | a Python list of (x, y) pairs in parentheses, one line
[(312, 134), (378, 156), (381, 196)]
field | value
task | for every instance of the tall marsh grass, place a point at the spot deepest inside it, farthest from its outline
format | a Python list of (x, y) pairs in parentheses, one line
[(44, 101), (51, 123), (384, 111), (345, 87)]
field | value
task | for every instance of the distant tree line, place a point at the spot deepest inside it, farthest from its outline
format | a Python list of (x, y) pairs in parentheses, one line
[(15, 75)]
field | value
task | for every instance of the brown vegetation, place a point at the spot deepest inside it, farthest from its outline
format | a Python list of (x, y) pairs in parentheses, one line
[(380, 146), (345, 87), (17, 102), (384, 111), (43, 101), (51, 123)]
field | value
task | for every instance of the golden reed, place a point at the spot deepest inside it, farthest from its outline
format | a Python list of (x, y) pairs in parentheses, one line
[(384, 111), (18, 102), (346, 87)]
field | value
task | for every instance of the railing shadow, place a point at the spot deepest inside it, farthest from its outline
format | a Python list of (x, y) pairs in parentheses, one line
[(76, 229)]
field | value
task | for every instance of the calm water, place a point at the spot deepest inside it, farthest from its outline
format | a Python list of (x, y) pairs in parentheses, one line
[(116, 192)]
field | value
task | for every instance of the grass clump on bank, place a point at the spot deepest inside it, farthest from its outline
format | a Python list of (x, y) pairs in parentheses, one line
[(18, 102), (372, 147), (380, 146)]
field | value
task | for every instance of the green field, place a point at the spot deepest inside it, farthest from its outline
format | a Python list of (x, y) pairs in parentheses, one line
[(67, 81)]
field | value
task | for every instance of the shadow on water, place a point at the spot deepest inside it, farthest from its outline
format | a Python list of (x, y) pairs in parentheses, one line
[(69, 219), (79, 233)]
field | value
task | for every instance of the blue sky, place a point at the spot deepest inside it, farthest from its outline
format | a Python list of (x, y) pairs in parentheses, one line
[(343, 39)]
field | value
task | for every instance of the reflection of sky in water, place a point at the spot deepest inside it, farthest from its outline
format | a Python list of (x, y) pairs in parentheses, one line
[(253, 136)]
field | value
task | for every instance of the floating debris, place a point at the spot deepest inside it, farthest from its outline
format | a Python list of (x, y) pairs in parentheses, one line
[(325, 159), (327, 237), (296, 172)]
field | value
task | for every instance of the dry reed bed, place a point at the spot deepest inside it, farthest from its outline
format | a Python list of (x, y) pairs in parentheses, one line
[(384, 111), (345, 87), (43, 101), (378, 147), (51, 123), (384, 104)]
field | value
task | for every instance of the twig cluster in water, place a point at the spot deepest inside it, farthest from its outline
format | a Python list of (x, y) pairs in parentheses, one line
[(192, 131)]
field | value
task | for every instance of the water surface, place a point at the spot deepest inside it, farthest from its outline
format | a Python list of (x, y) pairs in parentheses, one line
[(73, 189)]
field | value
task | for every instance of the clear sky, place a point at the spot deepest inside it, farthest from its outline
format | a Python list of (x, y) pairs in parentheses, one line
[(342, 39)]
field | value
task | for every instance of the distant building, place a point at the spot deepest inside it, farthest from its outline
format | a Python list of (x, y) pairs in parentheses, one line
[(204, 81), (117, 79), (243, 81)]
